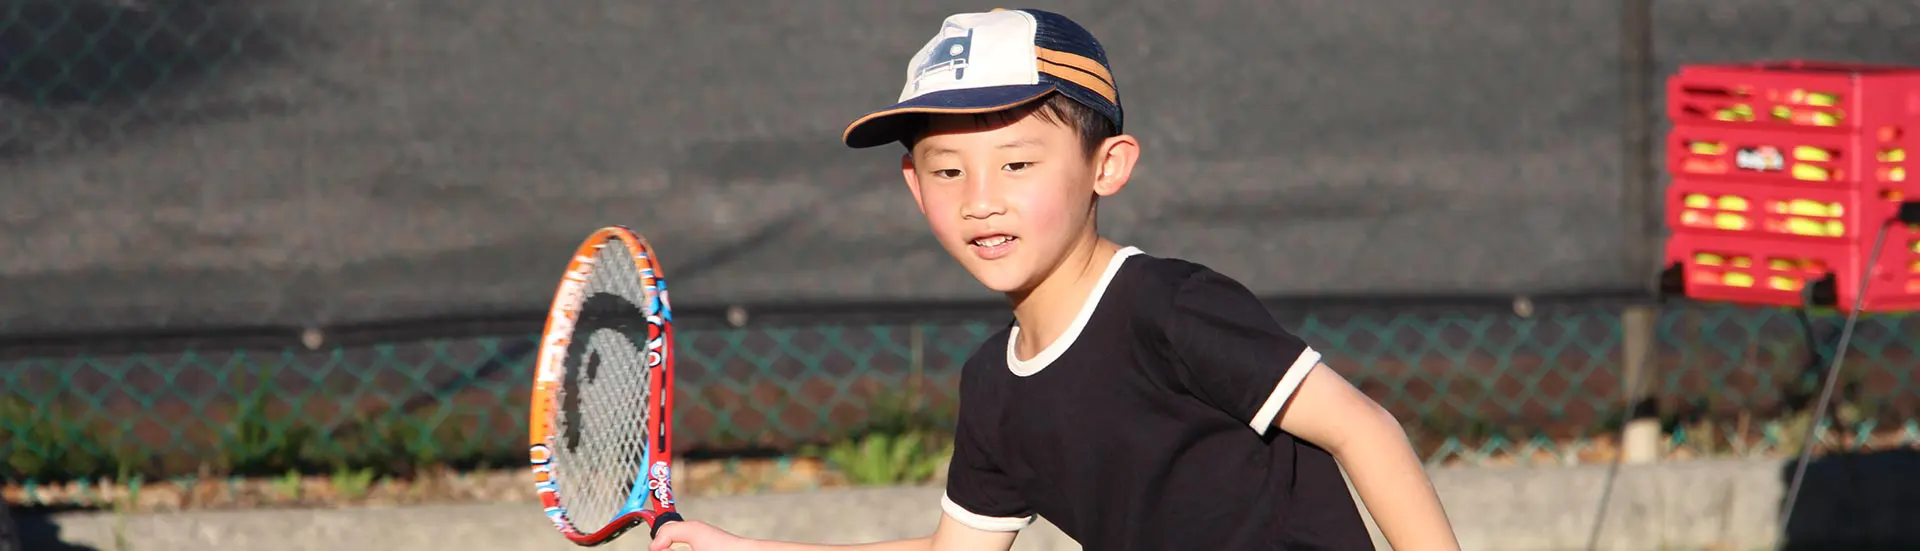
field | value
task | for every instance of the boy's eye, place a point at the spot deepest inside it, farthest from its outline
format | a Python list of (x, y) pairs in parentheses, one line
[(947, 173), (1018, 166)]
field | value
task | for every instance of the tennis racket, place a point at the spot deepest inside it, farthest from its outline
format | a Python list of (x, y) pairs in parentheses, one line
[(603, 393)]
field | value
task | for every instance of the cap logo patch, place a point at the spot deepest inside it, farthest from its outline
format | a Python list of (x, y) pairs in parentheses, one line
[(948, 56)]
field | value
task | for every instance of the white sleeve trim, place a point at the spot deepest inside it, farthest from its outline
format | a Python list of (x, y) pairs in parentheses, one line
[(982, 522), (1289, 383)]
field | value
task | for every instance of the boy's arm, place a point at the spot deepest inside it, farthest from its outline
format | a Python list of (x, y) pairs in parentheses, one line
[(1370, 444)]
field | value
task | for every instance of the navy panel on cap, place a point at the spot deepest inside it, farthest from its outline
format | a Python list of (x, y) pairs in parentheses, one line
[(1058, 32), (885, 126)]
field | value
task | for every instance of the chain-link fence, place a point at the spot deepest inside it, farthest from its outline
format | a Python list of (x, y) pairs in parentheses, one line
[(1471, 385), (178, 174)]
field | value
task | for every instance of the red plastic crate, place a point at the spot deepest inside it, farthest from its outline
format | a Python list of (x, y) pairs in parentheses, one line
[(1784, 213), (1820, 160), (1801, 95), (1755, 271), (1776, 269), (1810, 186)]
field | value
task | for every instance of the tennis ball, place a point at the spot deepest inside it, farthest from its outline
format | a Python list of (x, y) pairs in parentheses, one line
[(1803, 226), (1728, 221), (1817, 99), (1801, 207), (1810, 153), (1806, 117), (1737, 113), (1783, 283), (1737, 279), (1693, 218), (1810, 173)]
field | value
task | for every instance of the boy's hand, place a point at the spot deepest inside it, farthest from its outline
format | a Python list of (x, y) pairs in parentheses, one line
[(698, 535)]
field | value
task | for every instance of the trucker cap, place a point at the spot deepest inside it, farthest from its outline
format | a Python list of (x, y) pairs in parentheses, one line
[(985, 62)]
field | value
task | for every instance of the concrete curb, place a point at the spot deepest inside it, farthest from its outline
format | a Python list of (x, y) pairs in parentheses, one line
[(1687, 505)]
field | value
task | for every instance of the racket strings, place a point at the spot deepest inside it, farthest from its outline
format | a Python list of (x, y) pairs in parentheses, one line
[(604, 416)]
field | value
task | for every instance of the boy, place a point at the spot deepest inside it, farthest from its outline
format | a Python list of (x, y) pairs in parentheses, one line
[(1136, 402)]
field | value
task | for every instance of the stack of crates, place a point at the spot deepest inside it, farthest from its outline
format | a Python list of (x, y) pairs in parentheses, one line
[(1783, 172)]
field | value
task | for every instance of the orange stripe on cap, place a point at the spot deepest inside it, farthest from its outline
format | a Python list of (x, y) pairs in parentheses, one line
[(1076, 61), (1081, 78)]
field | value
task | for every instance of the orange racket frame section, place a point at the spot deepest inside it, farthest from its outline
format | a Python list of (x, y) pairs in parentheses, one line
[(550, 369)]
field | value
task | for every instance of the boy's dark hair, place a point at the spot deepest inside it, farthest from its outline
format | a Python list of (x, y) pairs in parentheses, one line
[(1092, 128)]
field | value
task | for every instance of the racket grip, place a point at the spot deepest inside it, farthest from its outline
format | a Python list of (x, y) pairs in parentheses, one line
[(662, 520)]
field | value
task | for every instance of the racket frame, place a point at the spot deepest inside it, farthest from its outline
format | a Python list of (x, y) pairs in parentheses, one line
[(651, 500)]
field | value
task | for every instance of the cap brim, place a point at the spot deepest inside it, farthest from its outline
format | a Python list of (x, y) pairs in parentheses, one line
[(885, 126)]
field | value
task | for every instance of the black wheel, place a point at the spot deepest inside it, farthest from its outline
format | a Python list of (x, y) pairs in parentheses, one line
[(1822, 293), (1673, 281), (9, 537)]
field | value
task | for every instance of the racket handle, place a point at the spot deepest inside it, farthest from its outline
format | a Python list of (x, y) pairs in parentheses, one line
[(662, 520)]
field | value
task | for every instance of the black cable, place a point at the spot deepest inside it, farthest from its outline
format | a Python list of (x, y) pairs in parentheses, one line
[(1832, 378)]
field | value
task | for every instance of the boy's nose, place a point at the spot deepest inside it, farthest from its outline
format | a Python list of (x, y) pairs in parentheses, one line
[(982, 198)]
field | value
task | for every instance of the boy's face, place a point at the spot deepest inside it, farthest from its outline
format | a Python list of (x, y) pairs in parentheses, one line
[(1009, 197)]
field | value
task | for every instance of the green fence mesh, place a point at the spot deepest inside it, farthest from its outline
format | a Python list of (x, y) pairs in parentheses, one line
[(1474, 386)]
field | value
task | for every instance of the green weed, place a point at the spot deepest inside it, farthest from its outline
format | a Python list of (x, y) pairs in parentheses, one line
[(287, 485), (887, 459), (125, 504), (351, 483), (252, 444), (49, 442), (901, 443)]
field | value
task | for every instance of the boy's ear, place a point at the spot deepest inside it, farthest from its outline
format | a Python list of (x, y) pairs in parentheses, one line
[(913, 179), (1113, 164)]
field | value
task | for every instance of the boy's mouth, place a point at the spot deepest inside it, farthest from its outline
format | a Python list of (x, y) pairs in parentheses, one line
[(993, 240), (993, 246)]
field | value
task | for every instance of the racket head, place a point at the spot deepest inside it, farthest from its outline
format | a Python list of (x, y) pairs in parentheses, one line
[(601, 415)]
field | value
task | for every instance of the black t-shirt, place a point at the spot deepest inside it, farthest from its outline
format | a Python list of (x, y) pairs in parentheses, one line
[(1147, 425)]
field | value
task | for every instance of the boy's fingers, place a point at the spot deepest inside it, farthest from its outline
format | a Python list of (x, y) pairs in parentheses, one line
[(670, 533), (662, 541)]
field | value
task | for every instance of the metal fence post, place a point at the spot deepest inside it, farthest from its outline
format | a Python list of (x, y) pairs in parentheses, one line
[(1640, 438)]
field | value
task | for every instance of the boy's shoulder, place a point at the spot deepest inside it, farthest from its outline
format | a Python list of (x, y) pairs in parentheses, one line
[(1157, 289), (1148, 292), (1157, 276)]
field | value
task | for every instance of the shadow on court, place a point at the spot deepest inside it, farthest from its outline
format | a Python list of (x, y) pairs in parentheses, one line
[(1857, 502), (39, 533)]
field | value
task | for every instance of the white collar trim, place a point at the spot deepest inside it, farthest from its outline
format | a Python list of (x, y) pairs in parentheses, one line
[(1060, 346)]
